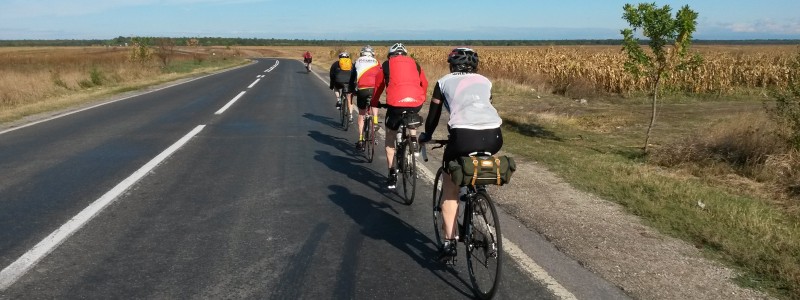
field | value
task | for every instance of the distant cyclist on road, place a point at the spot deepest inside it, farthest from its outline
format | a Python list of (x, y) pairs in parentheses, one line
[(341, 71), (307, 60), (474, 125), (405, 85), (367, 70)]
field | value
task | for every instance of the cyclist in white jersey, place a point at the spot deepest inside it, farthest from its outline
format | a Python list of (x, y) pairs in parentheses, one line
[(367, 68), (474, 125)]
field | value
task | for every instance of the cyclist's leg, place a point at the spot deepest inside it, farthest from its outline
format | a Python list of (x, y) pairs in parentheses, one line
[(337, 90), (392, 123), (390, 140), (449, 206), (362, 101), (350, 104)]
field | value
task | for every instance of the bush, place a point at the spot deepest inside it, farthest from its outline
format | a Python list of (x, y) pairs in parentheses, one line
[(786, 108)]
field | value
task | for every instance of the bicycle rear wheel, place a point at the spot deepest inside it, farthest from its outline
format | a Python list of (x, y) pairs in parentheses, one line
[(484, 247), (369, 138), (438, 218), (344, 112), (409, 170)]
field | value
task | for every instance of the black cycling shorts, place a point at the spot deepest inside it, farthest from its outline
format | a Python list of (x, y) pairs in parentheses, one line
[(394, 116), (363, 97), (465, 141), (342, 85)]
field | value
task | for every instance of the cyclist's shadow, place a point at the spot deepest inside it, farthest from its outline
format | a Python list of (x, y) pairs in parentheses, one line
[(348, 167), (377, 223), (323, 120)]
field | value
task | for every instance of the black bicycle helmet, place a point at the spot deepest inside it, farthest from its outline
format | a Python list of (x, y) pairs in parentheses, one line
[(463, 60)]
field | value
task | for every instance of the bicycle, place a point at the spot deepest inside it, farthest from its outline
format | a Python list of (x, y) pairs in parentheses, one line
[(369, 132), (405, 158), (477, 228), (344, 110)]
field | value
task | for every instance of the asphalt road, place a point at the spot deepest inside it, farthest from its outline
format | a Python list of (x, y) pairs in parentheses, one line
[(183, 193)]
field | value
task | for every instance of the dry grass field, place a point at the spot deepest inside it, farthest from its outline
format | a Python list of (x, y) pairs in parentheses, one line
[(33, 80)]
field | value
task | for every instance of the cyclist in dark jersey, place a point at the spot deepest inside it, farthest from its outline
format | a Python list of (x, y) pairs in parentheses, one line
[(474, 125), (341, 72), (405, 85)]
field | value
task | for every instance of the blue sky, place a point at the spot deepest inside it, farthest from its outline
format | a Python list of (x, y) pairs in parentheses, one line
[(382, 20)]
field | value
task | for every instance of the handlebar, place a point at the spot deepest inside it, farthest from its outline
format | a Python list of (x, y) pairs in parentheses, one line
[(424, 152)]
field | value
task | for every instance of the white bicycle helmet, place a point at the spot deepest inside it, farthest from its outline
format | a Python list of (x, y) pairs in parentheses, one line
[(397, 48), (367, 51), (344, 54)]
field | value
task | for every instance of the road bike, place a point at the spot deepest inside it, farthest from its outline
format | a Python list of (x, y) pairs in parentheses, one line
[(405, 154), (477, 227)]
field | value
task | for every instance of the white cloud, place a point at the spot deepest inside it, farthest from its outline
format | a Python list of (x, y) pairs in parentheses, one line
[(765, 26)]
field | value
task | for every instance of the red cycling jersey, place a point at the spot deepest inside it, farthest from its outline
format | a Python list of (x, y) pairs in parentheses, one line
[(407, 83)]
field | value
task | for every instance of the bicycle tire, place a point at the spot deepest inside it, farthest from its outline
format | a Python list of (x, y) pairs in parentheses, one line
[(438, 218), (344, 112), (484, 246), (409, 170), (369, 138)]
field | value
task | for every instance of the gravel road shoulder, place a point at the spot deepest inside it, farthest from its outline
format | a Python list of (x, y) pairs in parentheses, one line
[(612, 243)]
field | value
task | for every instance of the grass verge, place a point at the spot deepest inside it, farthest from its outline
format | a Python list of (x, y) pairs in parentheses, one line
[(596, 148)]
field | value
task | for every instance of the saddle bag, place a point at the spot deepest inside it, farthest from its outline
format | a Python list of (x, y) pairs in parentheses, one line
[(412, 120), (481, 170)]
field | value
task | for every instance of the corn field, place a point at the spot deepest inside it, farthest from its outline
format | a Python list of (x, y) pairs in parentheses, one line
[(726, 69)]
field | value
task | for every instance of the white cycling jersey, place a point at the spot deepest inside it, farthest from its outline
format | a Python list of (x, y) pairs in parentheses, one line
[(467, 96), (368, 66)]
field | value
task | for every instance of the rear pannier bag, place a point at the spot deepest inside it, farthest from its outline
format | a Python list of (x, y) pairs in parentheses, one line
[(481, 170)]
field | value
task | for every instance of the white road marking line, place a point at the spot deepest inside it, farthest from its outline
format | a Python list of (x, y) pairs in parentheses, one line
[(536, 272), (273, 67), (254, 83), (22, 265), (224, 108)]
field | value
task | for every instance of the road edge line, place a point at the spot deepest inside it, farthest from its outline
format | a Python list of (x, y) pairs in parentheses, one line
[(10, 274)]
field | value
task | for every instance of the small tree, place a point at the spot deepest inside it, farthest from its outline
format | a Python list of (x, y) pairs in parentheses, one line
[(786, 111), (165, 49), (141, 50), (661, 28)]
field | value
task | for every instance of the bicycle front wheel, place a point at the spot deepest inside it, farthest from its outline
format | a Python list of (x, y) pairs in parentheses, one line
[(409, 169), (484, 247)]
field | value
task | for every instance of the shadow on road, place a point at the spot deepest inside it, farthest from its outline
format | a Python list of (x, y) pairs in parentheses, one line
[(379, 221), (323, 120)]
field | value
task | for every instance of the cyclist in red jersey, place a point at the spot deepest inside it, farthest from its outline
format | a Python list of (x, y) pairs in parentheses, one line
[(405, 85), (307, 59)]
